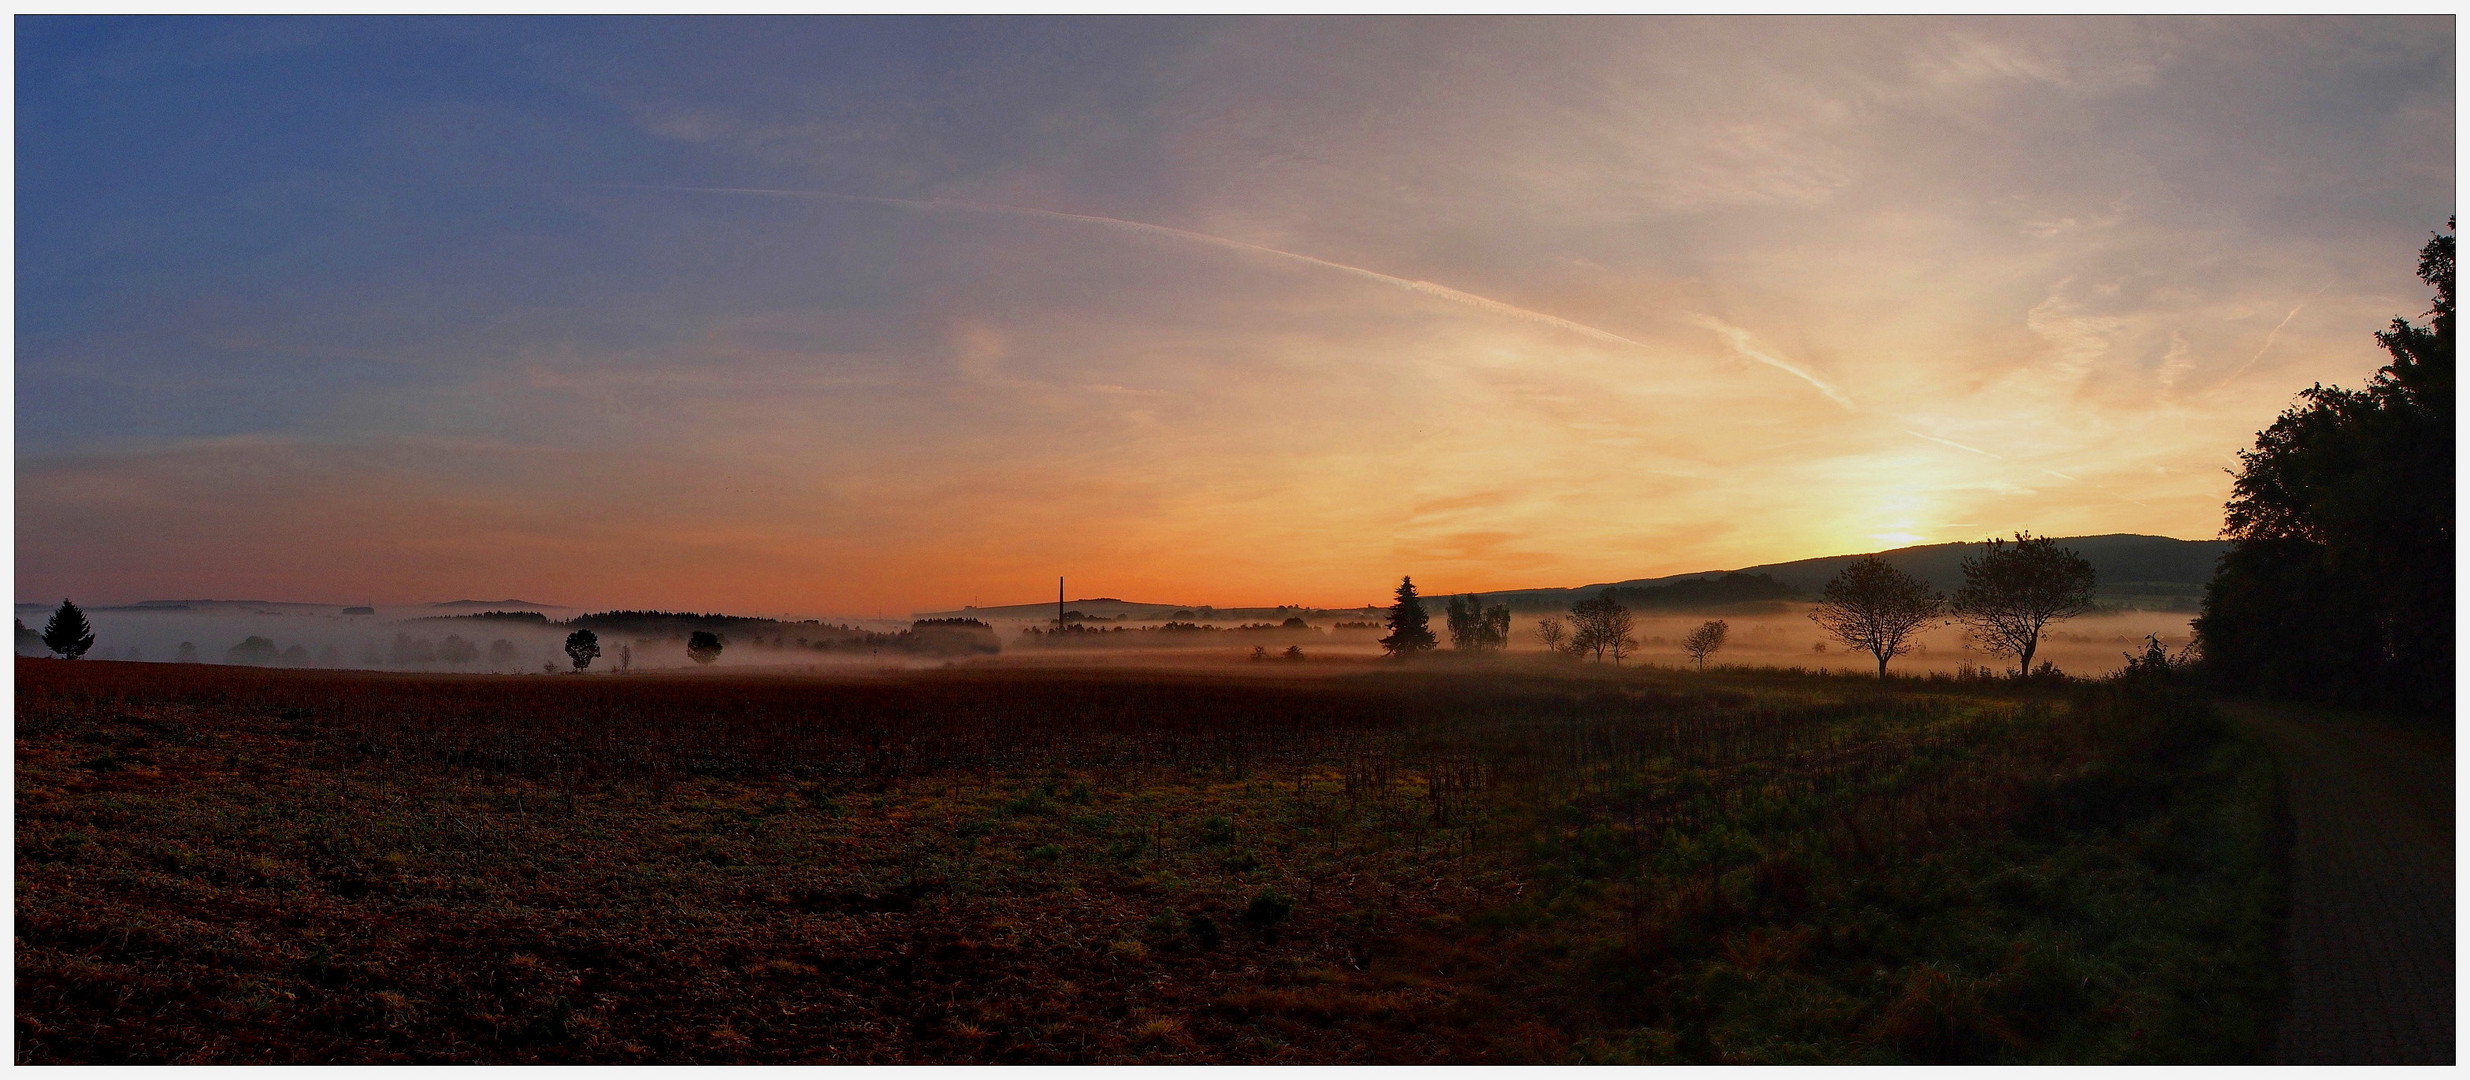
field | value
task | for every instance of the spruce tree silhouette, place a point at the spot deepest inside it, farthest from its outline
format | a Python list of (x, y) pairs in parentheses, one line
[(1410, 630), (68, 633)]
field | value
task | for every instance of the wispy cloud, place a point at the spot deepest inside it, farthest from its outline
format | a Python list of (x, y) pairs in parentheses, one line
[(1742, 344), (1502, 302), (1951, 442), (1733, 336)]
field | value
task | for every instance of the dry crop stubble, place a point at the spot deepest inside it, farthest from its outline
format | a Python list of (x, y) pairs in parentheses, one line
[(222, 864)]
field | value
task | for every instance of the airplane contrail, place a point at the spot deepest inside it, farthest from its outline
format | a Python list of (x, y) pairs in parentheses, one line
[(1739, 340), (1953, 443), (1736, 337), (2274, 333)]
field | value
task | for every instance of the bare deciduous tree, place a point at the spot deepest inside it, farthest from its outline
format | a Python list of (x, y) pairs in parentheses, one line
[(1706, 640), (2015, 589), (1552, 632), (1601, 626), (1873, 607)]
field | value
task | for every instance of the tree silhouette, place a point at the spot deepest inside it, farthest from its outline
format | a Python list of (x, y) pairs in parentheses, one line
[(2014, 590), (2338, 585), (1410, 630), (582, 647), (1474, 627), (454, 650), (704, 646), (68, 633), (1601, 626), (1706, 640), (1873, 607), (1552, 632), (1466, 623), (253, 650)]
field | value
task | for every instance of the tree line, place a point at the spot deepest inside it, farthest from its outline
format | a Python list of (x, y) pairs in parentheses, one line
[(2011, 594), (2338, 585)]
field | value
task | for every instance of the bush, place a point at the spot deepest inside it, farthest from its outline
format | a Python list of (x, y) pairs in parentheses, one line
[(1269, 908)]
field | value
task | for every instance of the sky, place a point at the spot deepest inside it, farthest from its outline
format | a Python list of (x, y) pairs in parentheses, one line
[(870, 316)]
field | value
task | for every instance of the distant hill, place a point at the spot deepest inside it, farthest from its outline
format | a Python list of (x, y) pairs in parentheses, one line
[(1108, 608), (496, 605), (261, 607), (2155, 571)]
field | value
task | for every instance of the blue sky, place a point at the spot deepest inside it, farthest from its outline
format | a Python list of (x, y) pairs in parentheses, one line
[(399, 309)]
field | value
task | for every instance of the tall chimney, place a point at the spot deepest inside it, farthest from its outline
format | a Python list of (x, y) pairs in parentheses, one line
[(1059, 600)]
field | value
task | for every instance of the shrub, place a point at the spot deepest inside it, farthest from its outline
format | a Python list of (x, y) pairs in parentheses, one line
[(1269, 907)]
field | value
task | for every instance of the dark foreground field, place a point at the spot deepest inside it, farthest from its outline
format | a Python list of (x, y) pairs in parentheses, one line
[(230, 865)]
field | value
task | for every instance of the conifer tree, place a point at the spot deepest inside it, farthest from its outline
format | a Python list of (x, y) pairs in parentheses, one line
[(1410, 630), (68, 633)]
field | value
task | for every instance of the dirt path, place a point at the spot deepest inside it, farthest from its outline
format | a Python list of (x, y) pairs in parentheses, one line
[(2370, 943)]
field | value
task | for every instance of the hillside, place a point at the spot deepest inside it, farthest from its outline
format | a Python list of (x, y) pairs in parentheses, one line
[(2157, 572), (2150, 571), (1108, 608)]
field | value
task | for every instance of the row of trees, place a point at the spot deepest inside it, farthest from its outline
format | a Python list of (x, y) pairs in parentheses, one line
[(2011, 594), (583, 647), (1476, 628), (71, 636), (1597, 627)]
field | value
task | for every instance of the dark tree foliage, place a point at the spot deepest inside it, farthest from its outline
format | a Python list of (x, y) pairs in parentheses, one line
[(1410, 630), (68, 633), (253, 650), (454, 650), (1601, 626), (2338, 586), (1474, 627), (2015, 590), (704, 646), (582, 647), (1873, 607)]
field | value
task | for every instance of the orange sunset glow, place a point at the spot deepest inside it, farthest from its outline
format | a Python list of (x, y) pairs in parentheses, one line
[(883, 317)]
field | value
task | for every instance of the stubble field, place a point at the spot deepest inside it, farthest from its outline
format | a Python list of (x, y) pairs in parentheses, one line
[(1513, 862)]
